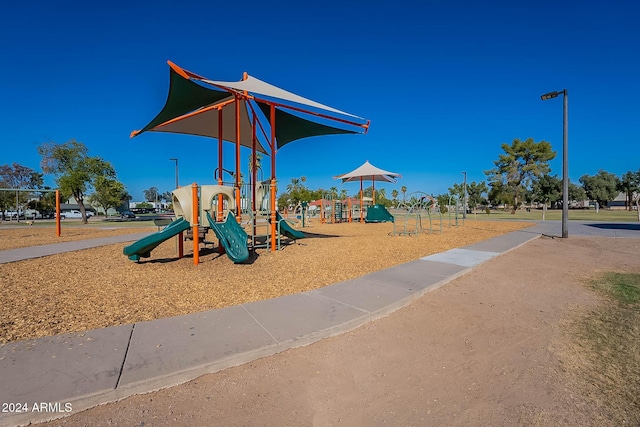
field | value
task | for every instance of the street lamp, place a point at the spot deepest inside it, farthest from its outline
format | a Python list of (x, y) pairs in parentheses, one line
[(176, 160), (565, 161), (464, 198)]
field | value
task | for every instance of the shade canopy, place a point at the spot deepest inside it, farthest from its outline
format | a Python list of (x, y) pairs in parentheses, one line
[(194, 103), (368, 172)]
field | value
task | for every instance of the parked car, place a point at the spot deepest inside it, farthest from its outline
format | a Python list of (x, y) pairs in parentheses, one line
[(127, 215), (74, 214)]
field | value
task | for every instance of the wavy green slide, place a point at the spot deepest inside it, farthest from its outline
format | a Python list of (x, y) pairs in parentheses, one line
[(232, 237), (287, 230), (143, 247), (378, 213)]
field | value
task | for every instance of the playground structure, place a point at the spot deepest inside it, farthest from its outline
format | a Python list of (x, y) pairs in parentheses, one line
[(410, 214), (371, 173), (246, 113), (334, 210), (456, 209), (213, 205)]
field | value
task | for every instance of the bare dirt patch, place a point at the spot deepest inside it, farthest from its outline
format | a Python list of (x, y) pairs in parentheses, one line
[(489, 348), (95, 288)]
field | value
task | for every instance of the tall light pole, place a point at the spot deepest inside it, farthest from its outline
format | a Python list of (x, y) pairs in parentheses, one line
[(464, 197), (565, 161), (176, 160)]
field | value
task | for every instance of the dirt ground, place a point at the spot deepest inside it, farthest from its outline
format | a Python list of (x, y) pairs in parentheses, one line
[(94, 288), (490, 348)]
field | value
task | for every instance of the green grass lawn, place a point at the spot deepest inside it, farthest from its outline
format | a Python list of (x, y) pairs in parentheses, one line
[(536, 215), (556, 214), (608, 338)]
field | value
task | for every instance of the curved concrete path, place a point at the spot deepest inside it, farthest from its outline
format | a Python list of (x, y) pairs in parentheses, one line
[(51, 376)]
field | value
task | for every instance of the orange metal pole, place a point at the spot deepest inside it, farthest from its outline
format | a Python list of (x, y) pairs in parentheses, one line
[(238, 201), (195, 208), (373, 191), (220, 200), (361, 200), (254, 172), (333, 211), (272, 192), (220, 172), (58, 231)]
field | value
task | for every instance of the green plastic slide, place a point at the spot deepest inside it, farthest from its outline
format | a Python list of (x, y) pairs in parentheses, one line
[(287, 230), (143, 247), (378, 213), (232, 237)]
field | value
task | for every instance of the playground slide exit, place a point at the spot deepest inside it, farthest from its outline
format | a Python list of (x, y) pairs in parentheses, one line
[(143, 247), (232, 237), (287, 230)]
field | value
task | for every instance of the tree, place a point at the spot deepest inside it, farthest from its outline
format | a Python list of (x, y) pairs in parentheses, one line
[(499, 193), (576, 192), (629, 184), (600, 187), (381, 196), (394, 196), (109, 193), (522, 162), (403, 189), (334, 192), (547, 189), (443, 202), (457, 190), (151, 194), (258, 164), (75, 171), (17, 176), (475, 191)]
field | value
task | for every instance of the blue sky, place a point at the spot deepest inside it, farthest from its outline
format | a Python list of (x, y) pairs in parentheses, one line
[(444, 83)]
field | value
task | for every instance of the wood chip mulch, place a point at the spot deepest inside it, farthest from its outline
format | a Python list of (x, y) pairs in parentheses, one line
[(96, 288)]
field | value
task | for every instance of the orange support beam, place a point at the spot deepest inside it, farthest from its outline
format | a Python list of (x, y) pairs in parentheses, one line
[(238, 201), (361, 200), (272, 192), (58, 230), (195, 207)]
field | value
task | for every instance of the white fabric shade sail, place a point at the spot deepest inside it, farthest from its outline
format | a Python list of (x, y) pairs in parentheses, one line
[(368, 172)]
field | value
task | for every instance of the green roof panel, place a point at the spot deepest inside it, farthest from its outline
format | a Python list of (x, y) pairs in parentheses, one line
[(184, 97), (290, 127)]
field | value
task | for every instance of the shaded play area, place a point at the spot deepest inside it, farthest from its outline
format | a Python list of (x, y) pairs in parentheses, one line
[(249, 113)]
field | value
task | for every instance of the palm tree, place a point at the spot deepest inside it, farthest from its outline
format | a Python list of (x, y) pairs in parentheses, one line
[(394, 195), (334, 191), (404, 192), (295, 184), (258, 162)]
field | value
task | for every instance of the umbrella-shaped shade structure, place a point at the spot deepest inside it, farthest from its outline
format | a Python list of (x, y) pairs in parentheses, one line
[(234, 111), (368, 172)]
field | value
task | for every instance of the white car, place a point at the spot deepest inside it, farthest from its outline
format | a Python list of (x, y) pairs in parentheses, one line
[(74, 214)]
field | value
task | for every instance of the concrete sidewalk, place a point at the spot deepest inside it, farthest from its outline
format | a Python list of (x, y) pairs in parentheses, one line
[(30, 252), (48, 377)]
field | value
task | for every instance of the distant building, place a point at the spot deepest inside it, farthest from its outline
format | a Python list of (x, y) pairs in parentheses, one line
[(619, 203)]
